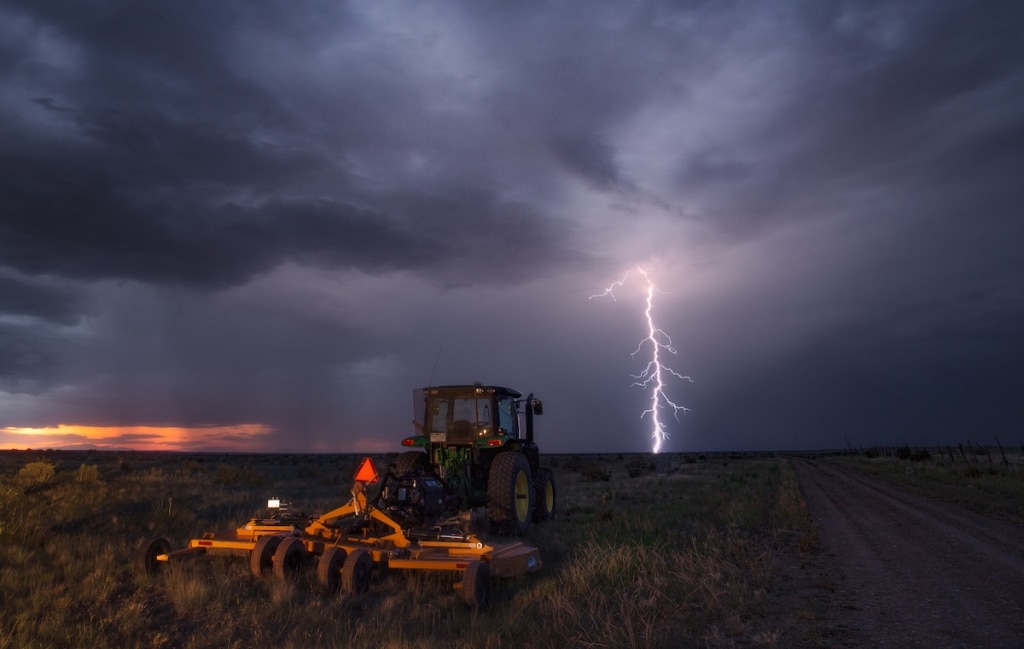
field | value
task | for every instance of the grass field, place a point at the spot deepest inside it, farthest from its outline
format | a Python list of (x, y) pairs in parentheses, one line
[(985, 479), (671, 551)]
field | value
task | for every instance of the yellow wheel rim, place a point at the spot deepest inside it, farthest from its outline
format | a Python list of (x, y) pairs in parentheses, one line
[(522, 496)]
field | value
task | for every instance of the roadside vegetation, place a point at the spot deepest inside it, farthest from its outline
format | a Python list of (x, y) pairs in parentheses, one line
[(645, 551), (987, 479)]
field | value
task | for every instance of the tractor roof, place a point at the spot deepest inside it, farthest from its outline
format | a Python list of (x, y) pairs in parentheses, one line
[(497, 389)]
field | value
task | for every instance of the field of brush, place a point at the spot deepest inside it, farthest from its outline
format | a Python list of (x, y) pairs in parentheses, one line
[(989, 480), (645, 551)]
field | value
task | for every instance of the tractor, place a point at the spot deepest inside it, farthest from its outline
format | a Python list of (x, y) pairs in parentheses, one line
[(416, 515), (472, 452)]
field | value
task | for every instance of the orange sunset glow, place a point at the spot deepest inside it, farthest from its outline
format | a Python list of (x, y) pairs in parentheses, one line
[(238, 437)]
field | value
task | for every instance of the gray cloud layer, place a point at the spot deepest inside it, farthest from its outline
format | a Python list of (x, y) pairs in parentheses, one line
[(245, 212)]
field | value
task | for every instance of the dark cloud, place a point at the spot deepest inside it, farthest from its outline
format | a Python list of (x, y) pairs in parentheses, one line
[(35, 318), (872, 98), (213, 215), (592, 159), (28, 360), (186, 171), (47, 301)]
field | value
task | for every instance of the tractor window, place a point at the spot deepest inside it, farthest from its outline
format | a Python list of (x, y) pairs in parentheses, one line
[(474, 410), (507, 415), (472, 413), (439, 416)]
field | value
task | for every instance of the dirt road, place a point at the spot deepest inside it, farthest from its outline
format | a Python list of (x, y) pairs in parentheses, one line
[(915, 572)]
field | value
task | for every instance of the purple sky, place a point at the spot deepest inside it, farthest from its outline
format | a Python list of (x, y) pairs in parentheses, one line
[(290, 216)]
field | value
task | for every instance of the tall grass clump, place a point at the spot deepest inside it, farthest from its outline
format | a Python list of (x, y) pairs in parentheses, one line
[(87, 474)]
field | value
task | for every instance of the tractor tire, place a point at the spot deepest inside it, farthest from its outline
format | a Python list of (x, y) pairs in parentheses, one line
[(261, 560), (509, 494), (356, 573), (476, 585), (544, 494), (411, 462), (145, 557), (289, 557), (328, 570)]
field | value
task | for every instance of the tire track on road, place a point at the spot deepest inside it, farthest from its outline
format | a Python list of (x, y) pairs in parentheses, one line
[(915, 572)]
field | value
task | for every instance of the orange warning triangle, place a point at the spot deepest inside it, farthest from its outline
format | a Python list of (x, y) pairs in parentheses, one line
[(366, 472)]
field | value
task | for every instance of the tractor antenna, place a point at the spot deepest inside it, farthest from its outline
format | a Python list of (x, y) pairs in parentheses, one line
[(437, 358)]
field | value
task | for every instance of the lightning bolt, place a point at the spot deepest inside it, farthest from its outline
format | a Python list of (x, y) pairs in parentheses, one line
[(654, 374)]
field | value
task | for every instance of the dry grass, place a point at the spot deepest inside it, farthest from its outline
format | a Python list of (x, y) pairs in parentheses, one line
[(687, 557), (980, 480)]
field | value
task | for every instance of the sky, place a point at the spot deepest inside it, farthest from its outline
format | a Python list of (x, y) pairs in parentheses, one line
[(259, 226)]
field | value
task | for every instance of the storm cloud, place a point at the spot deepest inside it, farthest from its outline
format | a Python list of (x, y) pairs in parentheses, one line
[(288, 217)]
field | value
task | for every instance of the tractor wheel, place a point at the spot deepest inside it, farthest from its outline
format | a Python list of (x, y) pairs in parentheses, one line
[(411, 462), (544, 493), (355, 575), (145, 557), (476, 584), (262, 558), (289, 557), (328, 570), (509, 494)]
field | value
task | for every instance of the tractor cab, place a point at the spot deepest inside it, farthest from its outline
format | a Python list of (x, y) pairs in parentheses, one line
[(474, 415), (478, 441)]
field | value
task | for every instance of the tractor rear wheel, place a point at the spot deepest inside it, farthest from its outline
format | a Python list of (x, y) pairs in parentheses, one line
[(355, 575), (328, 570), (145, 557), (289, 557), (411, 462), (544, 492), (262, 558), (476, 584), (509, 494)]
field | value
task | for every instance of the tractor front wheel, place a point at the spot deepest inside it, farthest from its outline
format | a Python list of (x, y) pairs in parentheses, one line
[(509, 494), (544, 491)]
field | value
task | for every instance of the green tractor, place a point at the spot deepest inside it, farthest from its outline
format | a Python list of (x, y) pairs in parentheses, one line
[(474, 448)]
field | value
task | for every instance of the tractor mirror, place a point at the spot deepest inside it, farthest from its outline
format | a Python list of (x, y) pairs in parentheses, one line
[(538, 407)]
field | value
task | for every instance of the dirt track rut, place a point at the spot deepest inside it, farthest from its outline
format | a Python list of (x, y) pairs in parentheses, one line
[(912, 571)]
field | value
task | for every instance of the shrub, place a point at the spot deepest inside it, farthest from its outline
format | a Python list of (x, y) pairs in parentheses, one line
[(639, 466), (244, 475), (914, 455), (87, 473), (595, 472), (35, 473)]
